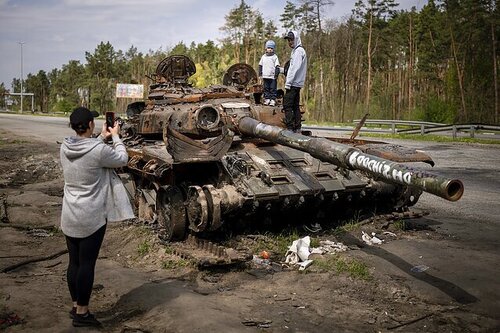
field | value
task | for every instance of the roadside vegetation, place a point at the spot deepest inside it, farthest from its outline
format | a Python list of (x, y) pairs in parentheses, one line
[(340, 264)]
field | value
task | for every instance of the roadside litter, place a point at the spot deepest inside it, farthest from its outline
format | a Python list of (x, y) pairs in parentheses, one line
[(299, 252), (258, 261), (370, 240), (419, 268), (314, 228), (39, 233), (257, 323)]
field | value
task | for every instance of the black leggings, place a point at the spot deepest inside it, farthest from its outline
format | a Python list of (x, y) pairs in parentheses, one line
[(83, 254)]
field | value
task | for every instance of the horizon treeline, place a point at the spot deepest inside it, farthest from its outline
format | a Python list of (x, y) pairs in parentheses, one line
[(438, 64)]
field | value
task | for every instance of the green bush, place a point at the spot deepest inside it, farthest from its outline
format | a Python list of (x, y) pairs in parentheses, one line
[(63, 106), (438, 111)]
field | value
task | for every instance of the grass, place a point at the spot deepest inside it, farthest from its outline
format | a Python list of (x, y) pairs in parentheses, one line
[(315, 242), (168, 249), (143, 248), (400, 225), (13, 142), (347, 226), (19, 141), (173, 264), (276, 244), (353, 267)]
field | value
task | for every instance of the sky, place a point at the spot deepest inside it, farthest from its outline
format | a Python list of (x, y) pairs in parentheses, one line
[(53, 32)]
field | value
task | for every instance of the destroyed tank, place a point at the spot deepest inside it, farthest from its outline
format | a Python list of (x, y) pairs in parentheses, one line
[(206, 159)]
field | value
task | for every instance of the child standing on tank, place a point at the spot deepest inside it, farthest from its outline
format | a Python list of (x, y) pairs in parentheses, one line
[(268, 71)]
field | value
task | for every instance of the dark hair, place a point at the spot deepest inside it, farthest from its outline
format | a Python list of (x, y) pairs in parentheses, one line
[(80, 128)]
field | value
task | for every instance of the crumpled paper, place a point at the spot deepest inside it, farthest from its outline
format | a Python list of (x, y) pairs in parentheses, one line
[(298, 253), (370, 240)]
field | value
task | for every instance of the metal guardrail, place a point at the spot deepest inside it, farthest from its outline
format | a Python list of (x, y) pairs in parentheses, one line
[(419, 127)]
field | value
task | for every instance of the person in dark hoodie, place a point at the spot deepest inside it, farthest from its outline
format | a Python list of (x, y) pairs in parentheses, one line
[(295, 77), (93, 195)]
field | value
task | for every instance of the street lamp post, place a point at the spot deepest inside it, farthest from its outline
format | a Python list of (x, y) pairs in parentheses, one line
[(22, 76)]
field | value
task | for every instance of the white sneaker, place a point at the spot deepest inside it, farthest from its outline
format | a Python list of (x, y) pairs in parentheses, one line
[(272, 102), (266, 101)]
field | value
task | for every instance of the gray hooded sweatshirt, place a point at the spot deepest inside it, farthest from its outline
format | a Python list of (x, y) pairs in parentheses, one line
[(296, 74), (93, 192)]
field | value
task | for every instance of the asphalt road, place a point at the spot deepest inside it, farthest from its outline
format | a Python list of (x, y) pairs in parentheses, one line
[(44, 128), (465, 265)]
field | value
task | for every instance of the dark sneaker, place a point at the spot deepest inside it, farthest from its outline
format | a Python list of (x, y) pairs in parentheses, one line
[(72, 313), (86, 320)]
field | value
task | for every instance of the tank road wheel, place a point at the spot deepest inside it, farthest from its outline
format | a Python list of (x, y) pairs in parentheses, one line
[(171, 213)]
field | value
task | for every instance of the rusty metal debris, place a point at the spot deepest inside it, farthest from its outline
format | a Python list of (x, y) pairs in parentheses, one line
[(394, 216), (207, 253), (257, 323)]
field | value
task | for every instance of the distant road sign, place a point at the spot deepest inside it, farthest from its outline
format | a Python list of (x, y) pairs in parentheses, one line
[(129, 90)]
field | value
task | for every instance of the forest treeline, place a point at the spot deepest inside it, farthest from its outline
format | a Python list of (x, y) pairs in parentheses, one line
[(436, 64)]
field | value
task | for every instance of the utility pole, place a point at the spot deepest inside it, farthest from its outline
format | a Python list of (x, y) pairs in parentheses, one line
[(22, 76)]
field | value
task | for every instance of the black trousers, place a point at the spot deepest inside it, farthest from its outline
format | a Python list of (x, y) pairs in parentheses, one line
[(83, 254), (291, 105)]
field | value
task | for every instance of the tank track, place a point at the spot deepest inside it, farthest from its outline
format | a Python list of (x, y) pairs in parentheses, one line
[(206, 253)]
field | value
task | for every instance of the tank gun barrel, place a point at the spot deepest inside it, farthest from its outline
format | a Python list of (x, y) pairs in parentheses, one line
[(352, 158)]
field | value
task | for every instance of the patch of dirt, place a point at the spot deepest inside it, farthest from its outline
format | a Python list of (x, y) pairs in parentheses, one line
[(141, 286), (26, 162)]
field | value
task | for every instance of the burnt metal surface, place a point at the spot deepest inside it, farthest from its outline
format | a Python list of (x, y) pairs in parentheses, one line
[(175, 70), (358, 127), (396, 153), (203, 159), (240, 76)]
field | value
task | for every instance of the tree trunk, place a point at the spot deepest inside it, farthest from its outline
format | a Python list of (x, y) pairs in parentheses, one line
[(369, 57), (332, 87), (410, 70), (495, 75), (463, 114)]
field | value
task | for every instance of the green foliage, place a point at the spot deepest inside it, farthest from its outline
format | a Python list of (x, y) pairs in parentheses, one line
[(143, 248), (3, 91), (173, 264), (63, 106), (103, 68), (400, 225), (334, 262), (277, 245), (289, 19), (436, 110), (347, 226)]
